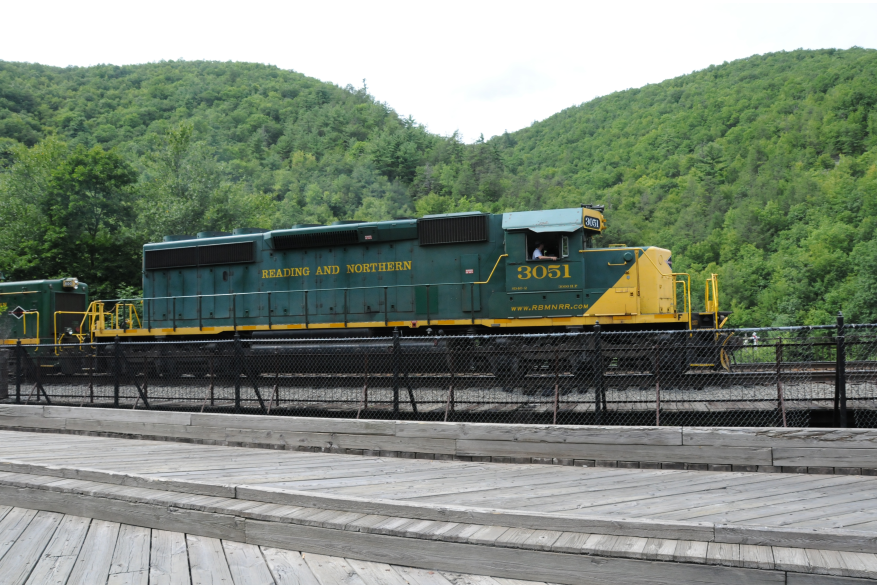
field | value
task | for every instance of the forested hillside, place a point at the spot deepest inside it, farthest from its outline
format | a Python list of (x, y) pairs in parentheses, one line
[(763, 170)]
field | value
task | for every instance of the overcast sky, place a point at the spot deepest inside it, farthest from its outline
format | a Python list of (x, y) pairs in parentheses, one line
[(473, 66)]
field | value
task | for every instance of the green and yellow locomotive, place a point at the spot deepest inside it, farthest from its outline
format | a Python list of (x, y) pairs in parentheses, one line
[(469, 272), (457, 272)]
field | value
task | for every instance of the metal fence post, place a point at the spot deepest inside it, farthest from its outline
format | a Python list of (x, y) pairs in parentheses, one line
[(556, 386), (396, 371), (658, 383), (598, 384), (117, 368), (18, 351), (780, 399), (238, 351), (840, 384)]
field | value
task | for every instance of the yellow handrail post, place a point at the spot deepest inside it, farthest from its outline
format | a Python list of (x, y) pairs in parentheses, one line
[(686, 293), (24, 322)]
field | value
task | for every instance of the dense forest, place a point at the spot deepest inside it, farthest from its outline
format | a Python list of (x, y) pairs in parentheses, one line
[(763, 170)]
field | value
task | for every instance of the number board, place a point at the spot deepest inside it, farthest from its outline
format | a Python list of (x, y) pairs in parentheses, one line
[(592, 223)]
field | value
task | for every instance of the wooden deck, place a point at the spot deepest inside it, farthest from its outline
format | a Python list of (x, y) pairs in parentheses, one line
[(806, 502), (48, 548), (520, 520)]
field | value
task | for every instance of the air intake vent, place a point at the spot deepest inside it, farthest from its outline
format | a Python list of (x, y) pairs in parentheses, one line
[(165, 258), (225, 254), (204, 255), (460, 229), (315, 239)]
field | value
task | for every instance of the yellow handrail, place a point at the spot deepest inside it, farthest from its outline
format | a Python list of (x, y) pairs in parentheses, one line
[(132, 315), (24, 322), (495, 265), (686, 294), (93, 316), (712, 305)]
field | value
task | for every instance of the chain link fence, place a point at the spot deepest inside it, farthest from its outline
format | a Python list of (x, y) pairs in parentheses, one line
[(795, 376)]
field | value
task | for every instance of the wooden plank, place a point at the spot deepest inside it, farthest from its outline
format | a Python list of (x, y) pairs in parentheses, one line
[(32, 422), (246, 563), (288, 567), (442, 483), (825, 457), (146, 429), (541, 540), (651, 493), (603, 545), (168, 560), (130, 565), (756, 556), (284, 423), (846, 438), (20, 410), (858, 564), (825, 512), (376, 573), (812, 579), (513, 537), (342, 441), (570, 542), (643, 435), (332, 570), (92, 565), (21, 558), (118, 510), (790, 559), (628, 546), (207, 561), (783, 490), (722, 553), (688, 454), (469, 579), (659, 549), (57, 560), (825, 562), (512, 563), (688, 551), (12, 525), (116, 415), (414, 576)]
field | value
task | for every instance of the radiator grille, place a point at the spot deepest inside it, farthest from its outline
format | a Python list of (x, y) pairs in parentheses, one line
[(203, 255), (165, 258), (70, 302), (225, 254), (442, 231), (315, 239)]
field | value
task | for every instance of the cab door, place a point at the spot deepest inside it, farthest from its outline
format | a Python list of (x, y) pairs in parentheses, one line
[(612, 281)]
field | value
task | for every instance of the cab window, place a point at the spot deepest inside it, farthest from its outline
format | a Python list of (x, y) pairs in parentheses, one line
[(554, 245)]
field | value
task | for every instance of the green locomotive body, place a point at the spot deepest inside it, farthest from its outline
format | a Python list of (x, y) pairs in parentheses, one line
[(454, 271), (42, 311)]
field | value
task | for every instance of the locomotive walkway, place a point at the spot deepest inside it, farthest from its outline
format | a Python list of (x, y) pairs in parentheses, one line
[(513, 520)]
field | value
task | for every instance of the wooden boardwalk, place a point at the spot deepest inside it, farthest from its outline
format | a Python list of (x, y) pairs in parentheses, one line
[(526, 520), (806, 502), (48, 548)]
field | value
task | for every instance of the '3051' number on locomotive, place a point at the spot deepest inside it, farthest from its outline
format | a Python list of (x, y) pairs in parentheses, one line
[(542, 271)]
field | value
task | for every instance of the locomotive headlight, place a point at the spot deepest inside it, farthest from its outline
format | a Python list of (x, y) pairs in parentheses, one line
[(70, 283)]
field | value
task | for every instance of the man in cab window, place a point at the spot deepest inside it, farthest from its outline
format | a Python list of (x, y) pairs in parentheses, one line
[(539, 253)]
